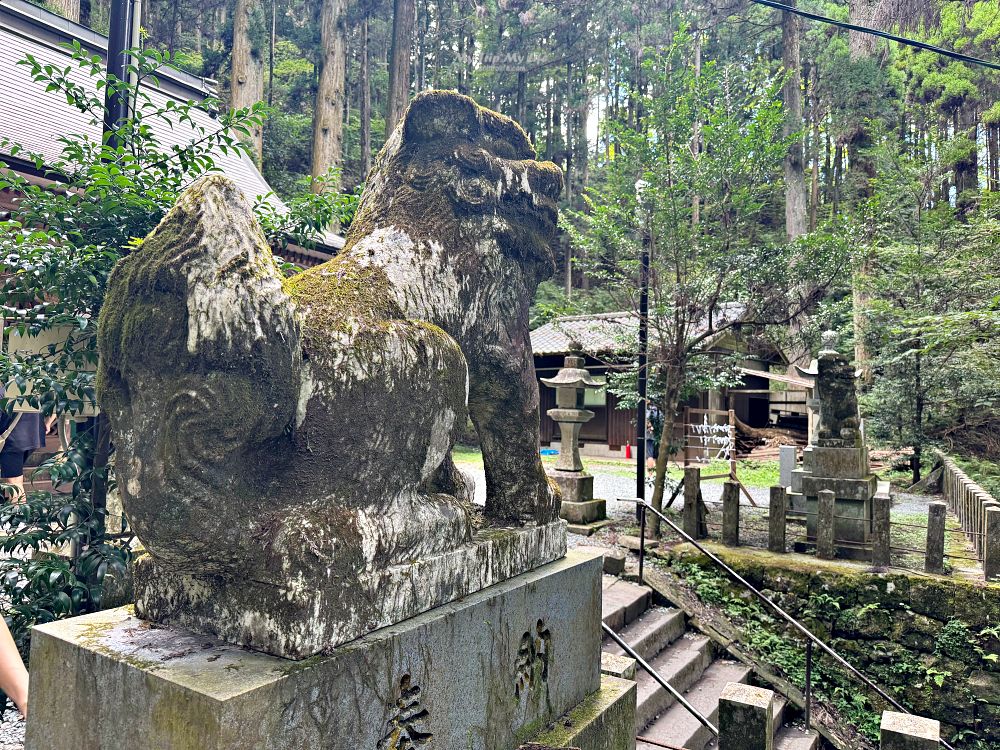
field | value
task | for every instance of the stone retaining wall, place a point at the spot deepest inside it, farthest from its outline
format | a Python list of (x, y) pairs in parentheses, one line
[(932, 641)]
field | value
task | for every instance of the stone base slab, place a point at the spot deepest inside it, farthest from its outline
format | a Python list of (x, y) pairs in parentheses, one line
[(586, 529), (583, 512), (848, 489), (300, 621), (848, 463), (851, 523), (483, 673), (574, 486), (603, 721)]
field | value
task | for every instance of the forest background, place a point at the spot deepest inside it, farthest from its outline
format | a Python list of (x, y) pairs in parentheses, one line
[(888, 167)]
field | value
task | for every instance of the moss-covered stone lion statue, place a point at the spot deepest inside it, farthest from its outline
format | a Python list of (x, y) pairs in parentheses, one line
[(283, 445)]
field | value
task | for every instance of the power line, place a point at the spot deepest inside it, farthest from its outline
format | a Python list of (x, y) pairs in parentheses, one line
[(876, 32)]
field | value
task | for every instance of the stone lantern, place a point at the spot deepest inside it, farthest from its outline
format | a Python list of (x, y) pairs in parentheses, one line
[(577, 486)]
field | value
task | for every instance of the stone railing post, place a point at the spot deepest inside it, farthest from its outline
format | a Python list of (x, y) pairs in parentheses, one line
[(786, 464), (991, 556), (731, 514), (908, 732), (881, 525), (776, 519), (746, 718), (825, 524), (692, 491), (934, 561)]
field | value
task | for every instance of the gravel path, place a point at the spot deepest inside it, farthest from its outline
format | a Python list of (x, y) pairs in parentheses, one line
[(11, 731), (612, 486)]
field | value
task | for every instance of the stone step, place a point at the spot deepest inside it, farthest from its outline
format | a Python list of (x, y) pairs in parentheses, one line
[(680, 664), (780, 703), (796, 738), (623, 602), (679, 728), (648, 635)]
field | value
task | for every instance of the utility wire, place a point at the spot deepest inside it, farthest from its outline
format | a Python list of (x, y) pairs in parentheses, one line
[(876, 32)]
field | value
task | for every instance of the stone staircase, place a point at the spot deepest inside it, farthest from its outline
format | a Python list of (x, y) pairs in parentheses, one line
[(688, 661)]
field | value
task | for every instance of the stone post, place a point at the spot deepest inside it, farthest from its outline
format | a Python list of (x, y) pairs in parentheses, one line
[(908, 732), (786, 464), (778, 503), (934, 562), (746, 718), (991, 558), (692, 491), (881, 507), (731, 514), (825, 524)]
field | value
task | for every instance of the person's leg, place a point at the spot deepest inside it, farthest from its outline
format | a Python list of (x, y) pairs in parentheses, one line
[(13, 675), (12, 473)]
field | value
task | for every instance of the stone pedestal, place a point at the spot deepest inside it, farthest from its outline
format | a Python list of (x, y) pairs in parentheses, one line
[(844, 471), (583, 514), (298, 621), (484, 673)]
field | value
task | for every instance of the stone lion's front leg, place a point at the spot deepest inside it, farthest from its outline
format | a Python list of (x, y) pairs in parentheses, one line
[(503, 405)]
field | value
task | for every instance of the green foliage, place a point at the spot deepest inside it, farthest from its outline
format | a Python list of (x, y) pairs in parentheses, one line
[(933, 314), (308, 213)]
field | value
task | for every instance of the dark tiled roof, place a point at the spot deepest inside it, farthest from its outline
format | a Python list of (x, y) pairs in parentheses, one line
[(605, 333), (36, 119)]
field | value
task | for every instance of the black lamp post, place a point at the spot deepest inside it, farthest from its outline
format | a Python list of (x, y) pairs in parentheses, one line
[(640, 422), (119, 40), (115, 113)]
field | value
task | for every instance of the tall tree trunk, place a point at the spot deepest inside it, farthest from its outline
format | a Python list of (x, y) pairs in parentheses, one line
[(795, 181), (328, 123), (696, 138), (66, 8), (814, 116), (365, 108), (248, 66), (271, 42), (199, 22), (403, 21), (570, 141), (422, 25), (993, 156), (967, 168)]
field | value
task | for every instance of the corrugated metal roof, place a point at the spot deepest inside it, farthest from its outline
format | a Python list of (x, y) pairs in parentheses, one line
[(596, 334), (606, 333), (36, 119)]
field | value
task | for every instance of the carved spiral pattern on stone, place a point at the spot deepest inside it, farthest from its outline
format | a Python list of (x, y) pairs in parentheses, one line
[(201, 427)]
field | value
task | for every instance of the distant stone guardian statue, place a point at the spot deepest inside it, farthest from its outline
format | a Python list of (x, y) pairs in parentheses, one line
[(839, 417), (284, 444)]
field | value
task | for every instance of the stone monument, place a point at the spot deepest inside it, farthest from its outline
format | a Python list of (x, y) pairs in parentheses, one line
[(283, 451), (836, 458), (576, 486)]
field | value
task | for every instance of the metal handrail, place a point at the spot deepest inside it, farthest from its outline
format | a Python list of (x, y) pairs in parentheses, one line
[(811, 638), (663, 683)]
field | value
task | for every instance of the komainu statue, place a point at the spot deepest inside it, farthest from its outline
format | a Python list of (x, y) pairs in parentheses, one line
[(839, 417), (283, 445)]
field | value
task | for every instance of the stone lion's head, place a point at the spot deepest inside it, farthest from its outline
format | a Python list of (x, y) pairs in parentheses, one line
[(466, 171)]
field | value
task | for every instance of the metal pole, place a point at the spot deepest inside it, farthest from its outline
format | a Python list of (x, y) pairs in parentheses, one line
[(115, 100), (809, 670), (642, 539), (640, 421)]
